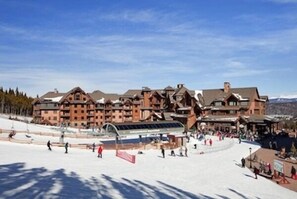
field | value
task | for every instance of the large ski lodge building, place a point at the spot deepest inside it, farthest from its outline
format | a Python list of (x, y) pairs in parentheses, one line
[(224, 108)]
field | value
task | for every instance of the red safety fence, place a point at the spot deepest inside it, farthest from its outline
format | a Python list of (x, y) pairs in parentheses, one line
[(126, 156)]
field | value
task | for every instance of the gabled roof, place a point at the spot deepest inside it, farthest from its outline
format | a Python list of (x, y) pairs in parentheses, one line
[(52, 94), (97, 95), (264, 97), (180, 91), (211, 95), (158, 93), (72, 91), (112, 96), (132, 92), (169, 88)]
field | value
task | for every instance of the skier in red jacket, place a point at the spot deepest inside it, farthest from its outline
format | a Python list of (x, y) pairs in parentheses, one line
[(100, 149)]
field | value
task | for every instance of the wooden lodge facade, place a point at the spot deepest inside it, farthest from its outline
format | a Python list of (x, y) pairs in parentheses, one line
[(215, 107)]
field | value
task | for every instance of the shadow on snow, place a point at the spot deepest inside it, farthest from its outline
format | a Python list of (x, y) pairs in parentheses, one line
[(16, 181)]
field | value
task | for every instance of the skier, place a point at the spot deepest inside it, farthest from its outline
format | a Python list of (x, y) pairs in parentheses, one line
[(66, 147), (210, 142), (181, 151), (49, 145), (93, 147), (256, 171), (163, 151), (100, 149), (186, 151), (172, 152), (242, 162)]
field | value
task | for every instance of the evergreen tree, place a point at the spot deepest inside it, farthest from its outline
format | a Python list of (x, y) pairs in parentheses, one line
[(15, 102)]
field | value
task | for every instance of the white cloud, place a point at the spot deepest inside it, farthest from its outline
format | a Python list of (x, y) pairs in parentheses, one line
[(168, 48), (283, 1), (136, 16)]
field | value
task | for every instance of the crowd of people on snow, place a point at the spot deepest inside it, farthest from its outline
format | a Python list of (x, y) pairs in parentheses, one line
[(66, 146)]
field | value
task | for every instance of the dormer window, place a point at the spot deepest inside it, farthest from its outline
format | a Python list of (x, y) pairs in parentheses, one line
[(218, 104), (232, 103), (77, 96)]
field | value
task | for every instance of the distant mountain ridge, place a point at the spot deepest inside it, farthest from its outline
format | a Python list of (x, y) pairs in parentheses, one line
[(282, 100), (282, 106)]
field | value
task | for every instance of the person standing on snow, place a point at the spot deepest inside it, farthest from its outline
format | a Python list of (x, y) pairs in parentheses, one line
[(163, 151), (49, 145), (93, 147), (100, 150), (256, 171), (66, 147), (242, 162)]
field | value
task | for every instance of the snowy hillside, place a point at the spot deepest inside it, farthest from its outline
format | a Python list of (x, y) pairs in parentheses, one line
[(32, 171)]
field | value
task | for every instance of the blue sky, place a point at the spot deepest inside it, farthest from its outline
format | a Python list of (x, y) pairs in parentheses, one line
[(118, 45)]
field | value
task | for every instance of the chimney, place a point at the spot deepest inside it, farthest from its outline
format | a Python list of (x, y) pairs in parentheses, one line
[(56, 90), (226, 87), (180, 85)]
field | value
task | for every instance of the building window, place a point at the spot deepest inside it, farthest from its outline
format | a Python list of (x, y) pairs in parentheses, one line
[(82, 111), (245, 103), (45, 112), (82, 105), (75, 118), (49, 118), (84, 99), (82, 118), (101, 117), (218, 103), (75, 111), (75, 124), (55, 118), (232, 103), (55, 112), (77, 96), (75, 105)]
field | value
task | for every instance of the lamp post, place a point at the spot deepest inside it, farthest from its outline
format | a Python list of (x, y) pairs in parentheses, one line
[(250, 157)]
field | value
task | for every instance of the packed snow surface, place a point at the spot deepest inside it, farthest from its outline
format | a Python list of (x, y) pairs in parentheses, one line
[(32, 171)]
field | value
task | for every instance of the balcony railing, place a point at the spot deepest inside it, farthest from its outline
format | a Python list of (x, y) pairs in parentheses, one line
[(65, 115), (65, 108)]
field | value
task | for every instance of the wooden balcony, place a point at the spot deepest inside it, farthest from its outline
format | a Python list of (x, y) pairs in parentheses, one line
[(65, 115), (64, 108)]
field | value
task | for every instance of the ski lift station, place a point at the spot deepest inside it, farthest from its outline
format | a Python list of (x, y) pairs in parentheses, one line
[(156, 129), (143, 128)]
